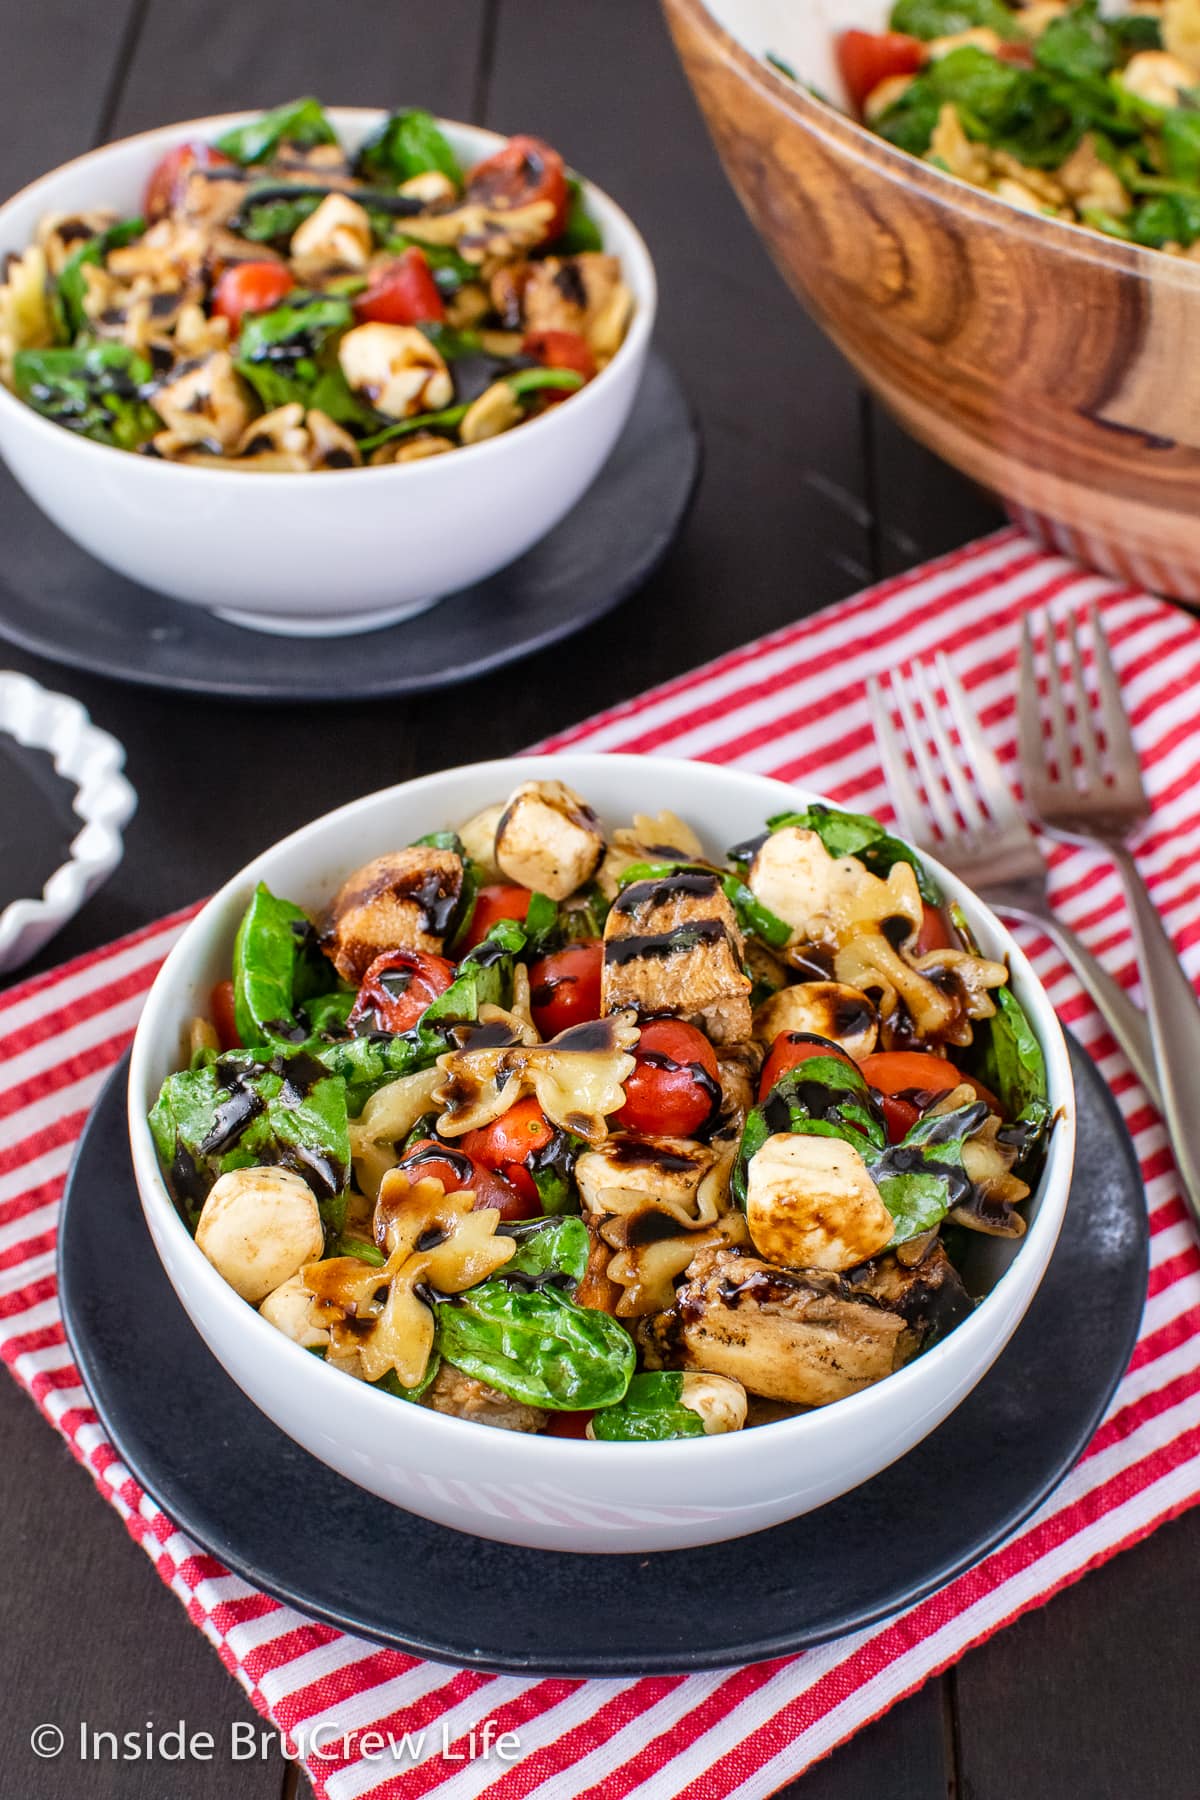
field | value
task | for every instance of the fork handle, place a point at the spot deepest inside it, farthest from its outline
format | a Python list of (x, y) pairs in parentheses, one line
[(1127, 1022), (1174, 1015)]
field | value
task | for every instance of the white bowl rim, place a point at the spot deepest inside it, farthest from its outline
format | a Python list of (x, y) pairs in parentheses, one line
[(631, 345), (1136, 259), (1045, 1226)]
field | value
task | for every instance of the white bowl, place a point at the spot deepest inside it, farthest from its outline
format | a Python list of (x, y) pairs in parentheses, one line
[(553, 1493), (339, 551)]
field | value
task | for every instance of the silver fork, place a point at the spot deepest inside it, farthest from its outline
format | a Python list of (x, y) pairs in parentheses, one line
[(992, 849), (1099, 799)]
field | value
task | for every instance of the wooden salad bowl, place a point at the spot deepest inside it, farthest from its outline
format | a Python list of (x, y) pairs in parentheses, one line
[(1056, 366)]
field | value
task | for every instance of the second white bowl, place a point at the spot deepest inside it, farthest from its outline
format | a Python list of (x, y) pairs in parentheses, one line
[(325, 554)]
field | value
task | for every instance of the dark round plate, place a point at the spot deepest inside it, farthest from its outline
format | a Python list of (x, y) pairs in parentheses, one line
[(58, 603), (267, 1509)]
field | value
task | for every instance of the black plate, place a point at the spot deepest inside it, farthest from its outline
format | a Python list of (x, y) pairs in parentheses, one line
[(267, 1509), (58, 603)]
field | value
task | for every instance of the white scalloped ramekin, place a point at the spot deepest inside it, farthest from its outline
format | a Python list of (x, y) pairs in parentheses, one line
[(92, 761)]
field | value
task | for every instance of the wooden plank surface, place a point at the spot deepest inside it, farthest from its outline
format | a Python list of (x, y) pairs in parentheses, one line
[(808, 493)]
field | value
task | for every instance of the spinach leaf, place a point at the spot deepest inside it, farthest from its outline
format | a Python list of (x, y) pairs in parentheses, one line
[(447, 420), (286, 354), (581, 231), (754, 919), (536, 1346), (407, 144), (823, 1097), (548, 1248), (946, 18), (531, 381), (238, 1111), (301, 123), (93, 389), (1168, 219), (71, 287), (1078, 44), (651, 1411), (1008, 1059), (1181, 145), (857, 834), (271, 219), (922, 1177), (392, 1384), (277, 965)]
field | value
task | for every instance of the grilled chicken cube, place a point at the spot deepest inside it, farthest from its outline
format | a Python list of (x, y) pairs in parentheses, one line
[(463, 1397), (583, 293), (738, 1068), (828, 1009), (805, 1338), (548, 839), (402, 901), (928, 1293), (811, 1204), (672, 945), (395, 369), (204, 402)]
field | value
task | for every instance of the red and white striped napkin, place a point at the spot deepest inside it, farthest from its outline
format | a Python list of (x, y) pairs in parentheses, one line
[(791, 705)]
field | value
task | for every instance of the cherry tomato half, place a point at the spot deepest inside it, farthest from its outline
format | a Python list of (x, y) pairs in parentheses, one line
[(168, 178), (524, 171), (561, 350), (897, 1074), (791, 1048), (251, 287), (564, 987), (402, 292), (224, 1017), (459, 1172), (397, 988), (498, 901), (672, 1090), (868, 57), (934, 932), (512, 1139)]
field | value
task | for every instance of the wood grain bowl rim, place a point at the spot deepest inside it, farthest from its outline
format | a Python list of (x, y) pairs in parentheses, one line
[(867, 148)]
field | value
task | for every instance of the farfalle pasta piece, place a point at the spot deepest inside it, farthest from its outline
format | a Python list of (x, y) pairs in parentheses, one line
[(578, 1078), (384, 1123), (663, 837), (433, 1239), (646, 1273), (673, 1177)]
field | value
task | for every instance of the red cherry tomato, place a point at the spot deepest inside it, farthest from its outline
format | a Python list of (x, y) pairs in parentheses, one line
[(512, 1139), (499, 901), (224, 1017), (791, 1048), (565, 987), (868, 57), (897, 1074), (397, 988), (934, 932), (168, 178), (250, 287), (524, 171), (673, 1086), (568, 1425), (561, 350), (402, 292), (459, 1172)]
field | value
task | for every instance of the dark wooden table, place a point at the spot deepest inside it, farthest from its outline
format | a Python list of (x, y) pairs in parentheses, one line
[(809, 492)]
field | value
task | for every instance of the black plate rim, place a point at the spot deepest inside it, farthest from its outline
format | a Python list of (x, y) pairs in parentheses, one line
[(262, 692), (588, 1665)]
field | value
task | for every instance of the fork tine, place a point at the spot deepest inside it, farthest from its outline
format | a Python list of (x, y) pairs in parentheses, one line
[(946, 753), (985, 765), (900, 784), (1123, 758), (1085, 730), (1060, 742), (1031, 742), (935, 794)]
